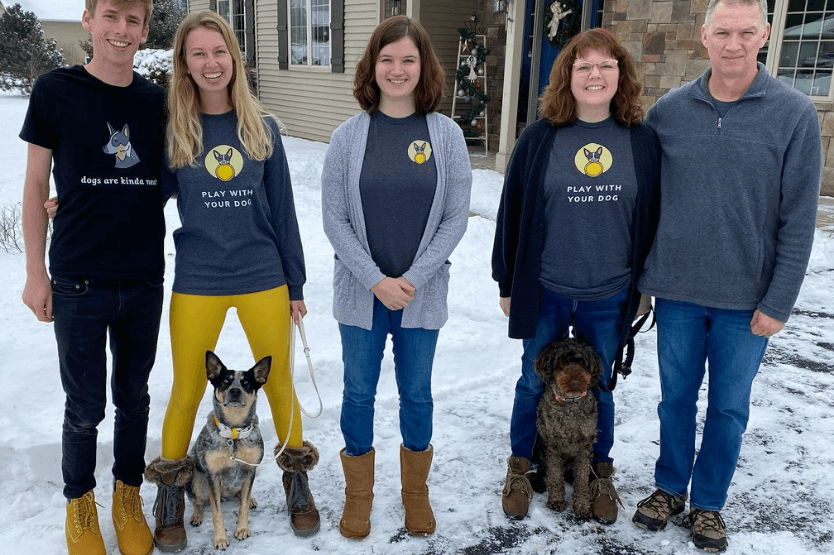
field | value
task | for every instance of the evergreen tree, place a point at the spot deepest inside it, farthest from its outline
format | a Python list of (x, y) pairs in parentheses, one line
[(25, 53), (166, 18)]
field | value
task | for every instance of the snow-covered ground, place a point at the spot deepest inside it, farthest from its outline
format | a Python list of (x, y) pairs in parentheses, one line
[(781, 500)]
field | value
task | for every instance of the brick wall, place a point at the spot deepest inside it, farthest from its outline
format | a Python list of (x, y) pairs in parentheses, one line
[(664, 38)]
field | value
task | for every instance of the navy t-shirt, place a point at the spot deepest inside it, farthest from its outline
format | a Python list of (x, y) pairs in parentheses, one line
[(106, 144), (590, 196), (397, 186)]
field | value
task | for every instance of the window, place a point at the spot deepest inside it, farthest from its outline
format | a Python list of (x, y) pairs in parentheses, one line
[(309, 32), (800, 50), (241, 17)]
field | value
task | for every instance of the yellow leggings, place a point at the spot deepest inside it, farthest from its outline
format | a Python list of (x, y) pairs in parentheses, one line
[(196, 321)]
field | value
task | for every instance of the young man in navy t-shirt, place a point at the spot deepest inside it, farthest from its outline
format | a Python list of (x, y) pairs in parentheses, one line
[(99, 129)]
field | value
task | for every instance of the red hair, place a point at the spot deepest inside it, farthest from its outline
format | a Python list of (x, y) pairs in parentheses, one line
[(558, 105)]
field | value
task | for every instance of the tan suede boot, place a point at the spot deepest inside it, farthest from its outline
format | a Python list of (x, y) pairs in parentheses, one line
[(604, 496), (517, 493), (414, 471), (296, 462), (359, 494), (132, 530), (169, 508), (82, 531)]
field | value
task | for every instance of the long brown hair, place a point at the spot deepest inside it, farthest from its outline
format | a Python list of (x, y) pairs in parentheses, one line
[(431, 86), (185, 130), (558, 105)]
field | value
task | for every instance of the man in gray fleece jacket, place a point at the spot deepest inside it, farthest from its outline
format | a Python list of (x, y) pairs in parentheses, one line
[(740, 173)]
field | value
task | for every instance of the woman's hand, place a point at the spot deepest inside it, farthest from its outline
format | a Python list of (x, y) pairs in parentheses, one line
[(51, 207), (297, 310), (394, 293), (504, 303)]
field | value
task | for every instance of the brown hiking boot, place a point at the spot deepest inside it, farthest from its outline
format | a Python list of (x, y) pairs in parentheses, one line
[(515, 499), (708, 530), (169, 508), (82, 531), (604, 496), (654, 511), (295, 462), (132, 532)]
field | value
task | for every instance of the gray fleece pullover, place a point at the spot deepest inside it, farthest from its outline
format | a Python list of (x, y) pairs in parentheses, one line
[(738, 197), (344, 223)]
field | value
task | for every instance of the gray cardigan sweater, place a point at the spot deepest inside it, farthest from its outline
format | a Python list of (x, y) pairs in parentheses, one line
[(738, 197), (344, 223)]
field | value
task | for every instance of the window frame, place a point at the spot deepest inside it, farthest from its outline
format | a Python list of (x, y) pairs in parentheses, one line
[(247, 47), (776, 42), (308, 5)]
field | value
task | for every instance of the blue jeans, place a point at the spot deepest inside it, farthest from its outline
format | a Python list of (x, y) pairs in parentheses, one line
[(85, 311), (362, 352), (689, 335), (596, 323)]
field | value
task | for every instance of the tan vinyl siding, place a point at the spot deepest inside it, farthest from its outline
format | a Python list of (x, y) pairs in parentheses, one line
[(442, 19), (198, 5), (312, 102)]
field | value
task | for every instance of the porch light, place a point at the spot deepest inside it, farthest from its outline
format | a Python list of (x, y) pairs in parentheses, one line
[(396, 6)]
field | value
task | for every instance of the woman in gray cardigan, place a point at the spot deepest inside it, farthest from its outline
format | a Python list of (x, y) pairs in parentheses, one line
[(395, 202)]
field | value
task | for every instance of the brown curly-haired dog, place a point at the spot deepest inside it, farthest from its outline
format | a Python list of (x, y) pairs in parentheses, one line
[(567, 419)]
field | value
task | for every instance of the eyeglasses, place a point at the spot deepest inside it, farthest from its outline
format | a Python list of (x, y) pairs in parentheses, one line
[(585, 68)]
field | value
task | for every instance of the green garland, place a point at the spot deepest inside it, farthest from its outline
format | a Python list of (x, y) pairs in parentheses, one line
[(478, 97), (570, 26)]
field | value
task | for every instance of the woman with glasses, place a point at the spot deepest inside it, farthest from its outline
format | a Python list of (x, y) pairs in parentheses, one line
[(577, 218)]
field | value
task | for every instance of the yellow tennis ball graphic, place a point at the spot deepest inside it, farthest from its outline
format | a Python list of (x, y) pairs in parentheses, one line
[(419, 157)]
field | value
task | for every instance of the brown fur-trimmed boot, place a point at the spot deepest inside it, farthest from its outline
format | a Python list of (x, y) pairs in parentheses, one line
[(604, 497), (169, 507), (414, 471), (296, 462), (359, 494)]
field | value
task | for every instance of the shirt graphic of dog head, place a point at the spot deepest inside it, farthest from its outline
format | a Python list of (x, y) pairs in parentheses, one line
[(119, 145)]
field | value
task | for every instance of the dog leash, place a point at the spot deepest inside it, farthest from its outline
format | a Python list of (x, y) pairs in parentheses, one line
[(230, 441)]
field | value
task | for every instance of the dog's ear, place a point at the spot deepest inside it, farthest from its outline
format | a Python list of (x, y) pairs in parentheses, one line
[(546, 362), (261, 369), (213, 366)]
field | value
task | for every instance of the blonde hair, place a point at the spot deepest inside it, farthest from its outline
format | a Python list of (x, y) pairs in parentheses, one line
[(185, 129)]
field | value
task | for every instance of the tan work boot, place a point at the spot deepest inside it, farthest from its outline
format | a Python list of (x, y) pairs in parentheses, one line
[(708, 530), (169, 508), (515, 499), (132, 530), (654, 511), (359, 494), (604, 496), (83, 534), (414, 471), (296, 462)]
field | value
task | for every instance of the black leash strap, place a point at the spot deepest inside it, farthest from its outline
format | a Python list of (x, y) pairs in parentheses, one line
[(624, 368)]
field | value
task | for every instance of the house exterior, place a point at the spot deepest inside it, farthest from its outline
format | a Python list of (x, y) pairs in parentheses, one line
[(303, 53), (62, 22)]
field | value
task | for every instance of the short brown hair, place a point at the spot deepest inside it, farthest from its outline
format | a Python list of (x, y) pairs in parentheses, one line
[(90, 6), (431, 86), (558, 105)]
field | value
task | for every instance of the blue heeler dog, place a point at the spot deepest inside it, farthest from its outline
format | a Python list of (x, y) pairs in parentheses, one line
[(119, 145), (230, 439)]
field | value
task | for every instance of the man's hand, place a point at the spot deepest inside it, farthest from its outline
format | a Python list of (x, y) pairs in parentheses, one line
[(37, 295), (51, 207), (298, 310), (504, 303), (764, 325), (394, 293)]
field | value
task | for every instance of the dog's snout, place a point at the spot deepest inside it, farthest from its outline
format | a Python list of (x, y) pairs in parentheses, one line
[(235, 393)]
